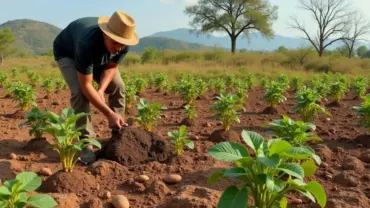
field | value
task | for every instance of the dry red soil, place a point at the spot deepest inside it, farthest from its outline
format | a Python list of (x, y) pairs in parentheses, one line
[(344, 173)]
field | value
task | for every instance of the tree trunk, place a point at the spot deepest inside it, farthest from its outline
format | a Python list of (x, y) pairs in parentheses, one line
[(321, 52), (350, 51), (233, 44)]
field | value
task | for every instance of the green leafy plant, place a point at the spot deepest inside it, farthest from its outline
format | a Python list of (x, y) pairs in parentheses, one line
[(360, 85), (307, 106), (337, 90), (188, 91), (149, 113), (67, 136), (201, 86), (364, 112), (249, 81), (283, 79), (3, 78), (160, 80), (274, 93), (276, 170), (178, 139), (226, 108), (220, 86), (190, 112), (297, 83), (34, 78), (130, 95), (14, 73), (14, 193), (48, 85), (60, 84), (25, 95), (295, 132), (140, 83), (37, 121)]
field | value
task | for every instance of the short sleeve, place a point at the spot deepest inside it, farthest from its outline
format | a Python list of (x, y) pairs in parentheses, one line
[(84, 61), (118, 58)]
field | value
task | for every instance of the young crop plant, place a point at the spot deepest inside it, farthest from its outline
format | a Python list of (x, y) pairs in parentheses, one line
[(220, 86), (242, 96), (249, 81), (160, 80), (226, 108), (190, 112), (15, 193), (307, 106), (274, 93), (284, 80), (140, 83), (229, 80), (37, 121), (14, 73), (275, 170), (338, 90), (67, 137), (360, 85), (48, 86), (364, 112), (296, 133), (34, 78), (179, 139), (201, 86), (150, 80), (188, 91), (60, 84), (321, 86), (297, 83), (3, 78), (130, 95), (25, 95), (149, 114)]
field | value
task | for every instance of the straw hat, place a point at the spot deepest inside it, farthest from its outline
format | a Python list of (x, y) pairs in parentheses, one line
[(120, 27)]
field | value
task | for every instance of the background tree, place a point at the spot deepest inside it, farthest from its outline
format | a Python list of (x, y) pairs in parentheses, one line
[(344, 51), (358, 27), (361, 51), (233, 17), (331, 16), (6, 39)]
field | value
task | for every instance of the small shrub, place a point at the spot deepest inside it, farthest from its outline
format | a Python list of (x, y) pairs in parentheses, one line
[(364, 112), (226, 108), (149, 114), (178, 139), (37, 121)]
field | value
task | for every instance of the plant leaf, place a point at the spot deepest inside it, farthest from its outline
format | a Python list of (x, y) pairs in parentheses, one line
[(316, 189), (3, 204), (274, 185), (5, 191), (279, 146), (189, 143), (283, 202), (233, 198), (292, 169), (235, 172), (216, 176), (228, 151), (309, 168), (91, 141), (252, 139), (30, 181), (42, 201), (244, 162), (269, 162)]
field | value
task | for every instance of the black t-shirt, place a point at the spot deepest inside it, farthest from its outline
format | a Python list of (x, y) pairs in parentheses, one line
[(82, 40)]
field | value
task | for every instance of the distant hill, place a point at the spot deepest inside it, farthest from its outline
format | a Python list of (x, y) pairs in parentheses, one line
[(167, 43), (32, 36), (256, 42)]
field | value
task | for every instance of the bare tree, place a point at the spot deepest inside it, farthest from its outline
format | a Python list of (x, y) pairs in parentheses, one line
[(357, 28), (331, 17)]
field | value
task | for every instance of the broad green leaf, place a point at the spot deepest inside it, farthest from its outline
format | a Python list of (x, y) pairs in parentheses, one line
[(5, 191), (23, 197), (269, 162), (232, 197), (3, 204), (189, 143), (78, 146), (244, 162), (292, 169), (252, 139), (42, 201), (235, 172), (92, 141), (216, 176), (278, 147), (274, 185), (10, 183), (228, 151), (283, 202), (30, 181), (317, 159), (309, 168), (21, 204), (307, 194), (316, 189)]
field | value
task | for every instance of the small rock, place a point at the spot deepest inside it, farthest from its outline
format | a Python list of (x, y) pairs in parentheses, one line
[(172, 179), (328, 176), (324, 165), (142, 178), (107, 195), (172, 103), (328, 119), (352, 163), (90, 147), (131, 121), (46, 172), (120, 201), (13, 156)]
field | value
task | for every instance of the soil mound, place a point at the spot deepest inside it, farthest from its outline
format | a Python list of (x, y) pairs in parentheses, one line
[(223, 136), (334, 104), (78, 182), (131, 111), (134, 146), (270, 111), (19, 114), (363, 139), (36, 145), (187, 122)]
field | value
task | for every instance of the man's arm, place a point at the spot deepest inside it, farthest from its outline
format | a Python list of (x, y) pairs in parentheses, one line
[(107, 76)]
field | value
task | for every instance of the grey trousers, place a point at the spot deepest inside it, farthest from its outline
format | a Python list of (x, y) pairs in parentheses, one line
[(79, 103)]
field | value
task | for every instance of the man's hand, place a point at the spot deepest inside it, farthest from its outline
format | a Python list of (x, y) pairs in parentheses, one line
[(116, 121), (101, 93)]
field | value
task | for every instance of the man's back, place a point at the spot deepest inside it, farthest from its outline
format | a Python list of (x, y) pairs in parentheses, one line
[(82, 31)]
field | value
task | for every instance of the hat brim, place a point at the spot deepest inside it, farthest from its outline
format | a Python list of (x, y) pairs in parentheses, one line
[(103, 24)]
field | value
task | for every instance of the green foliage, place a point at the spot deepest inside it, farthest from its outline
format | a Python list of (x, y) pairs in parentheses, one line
[(307, 106), (364, 112), (149, 113), (14, 73), (48, 85), (6, 39), (160, 80), (190, 112), (150, 54), (361, 51), (220, 86), (249, 81), (14, 193), (295, 132), (276, 170), (188, 90), (140, 83), (25, 95), (297, 83), (37, 121), (360, 85), (202, 86), (3, 78), (274, 93), (284, 80), (60, 84), (179, 139), (226, 108), (338, 90), (34, 78), (67, 136), (130, 95)]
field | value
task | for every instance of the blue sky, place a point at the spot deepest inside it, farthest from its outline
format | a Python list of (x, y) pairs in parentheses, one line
[(158, 15)]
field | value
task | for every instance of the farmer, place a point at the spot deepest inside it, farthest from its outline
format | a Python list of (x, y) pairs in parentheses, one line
[(90, 49)]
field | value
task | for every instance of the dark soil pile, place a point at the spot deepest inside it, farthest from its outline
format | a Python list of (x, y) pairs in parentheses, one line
[(134, 146), (187, 122), (78, 182), (224, 136), (270, 111), (36, 145), (334, 104)]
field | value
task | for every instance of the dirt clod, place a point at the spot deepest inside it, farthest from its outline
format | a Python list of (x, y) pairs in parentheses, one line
[(352, 163), (222, 136), (46, 172), (65, 200)]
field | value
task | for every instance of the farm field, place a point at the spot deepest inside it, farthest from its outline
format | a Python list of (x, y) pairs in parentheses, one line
[(343, 173)]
